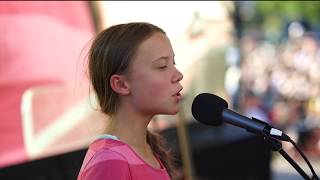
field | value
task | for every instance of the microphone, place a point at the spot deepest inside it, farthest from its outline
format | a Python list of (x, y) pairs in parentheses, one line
[(213, 110)]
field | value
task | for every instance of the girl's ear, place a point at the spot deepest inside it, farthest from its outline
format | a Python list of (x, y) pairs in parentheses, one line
[(119, 85)]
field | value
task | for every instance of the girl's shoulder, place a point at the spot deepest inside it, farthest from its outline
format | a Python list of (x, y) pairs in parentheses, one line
[(108, 149), (109, 157), (107, 146), (103, 161)]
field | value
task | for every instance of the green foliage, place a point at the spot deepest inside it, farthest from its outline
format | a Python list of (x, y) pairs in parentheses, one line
[(270, 16), (275, 11)]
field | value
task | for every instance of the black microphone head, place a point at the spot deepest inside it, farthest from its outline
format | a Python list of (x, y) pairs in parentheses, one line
[(207, 108)]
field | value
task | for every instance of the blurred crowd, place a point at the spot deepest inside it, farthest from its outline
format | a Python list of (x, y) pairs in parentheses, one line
[(279, 83)]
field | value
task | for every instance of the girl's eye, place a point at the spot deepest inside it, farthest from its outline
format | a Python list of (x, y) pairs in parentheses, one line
[(162, 67)]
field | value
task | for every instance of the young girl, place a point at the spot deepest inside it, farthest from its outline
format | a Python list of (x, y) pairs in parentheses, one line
[(132, 70)]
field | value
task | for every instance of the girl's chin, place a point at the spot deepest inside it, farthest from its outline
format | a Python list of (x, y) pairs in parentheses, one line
[(173, 112)]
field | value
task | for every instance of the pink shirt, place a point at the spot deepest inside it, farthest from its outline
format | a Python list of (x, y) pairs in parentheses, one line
[(112, 159)]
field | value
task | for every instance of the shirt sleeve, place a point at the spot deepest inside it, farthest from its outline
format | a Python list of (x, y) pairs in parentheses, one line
[(109, 169), (106, 165)]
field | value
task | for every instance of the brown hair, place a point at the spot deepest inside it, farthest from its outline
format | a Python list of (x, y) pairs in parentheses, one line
[(111, 53)]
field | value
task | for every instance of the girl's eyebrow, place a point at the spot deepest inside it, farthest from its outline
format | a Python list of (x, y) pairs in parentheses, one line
[(162, 57)]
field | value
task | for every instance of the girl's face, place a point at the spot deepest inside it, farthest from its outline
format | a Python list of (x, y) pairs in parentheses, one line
[(153, 79)]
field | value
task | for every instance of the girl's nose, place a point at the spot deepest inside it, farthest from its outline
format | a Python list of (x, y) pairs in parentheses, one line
[(178, 76)]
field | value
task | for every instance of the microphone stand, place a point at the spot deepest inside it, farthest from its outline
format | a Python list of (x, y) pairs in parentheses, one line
[(277, 146)]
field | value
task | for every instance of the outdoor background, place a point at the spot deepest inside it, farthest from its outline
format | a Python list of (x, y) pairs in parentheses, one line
[(262, 57)]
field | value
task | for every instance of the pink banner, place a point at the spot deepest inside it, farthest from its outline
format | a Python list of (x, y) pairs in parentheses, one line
[(42, 78)]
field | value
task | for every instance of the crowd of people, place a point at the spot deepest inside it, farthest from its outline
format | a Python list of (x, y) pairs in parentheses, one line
[(279, 82)]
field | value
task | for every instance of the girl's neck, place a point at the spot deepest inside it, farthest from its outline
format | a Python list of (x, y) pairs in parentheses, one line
[(130, 131), (129, 127)]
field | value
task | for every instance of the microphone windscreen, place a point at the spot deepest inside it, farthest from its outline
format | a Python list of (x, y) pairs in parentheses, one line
[(207, 108)]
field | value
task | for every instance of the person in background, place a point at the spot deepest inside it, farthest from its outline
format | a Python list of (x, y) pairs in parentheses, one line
[(133, 73)]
